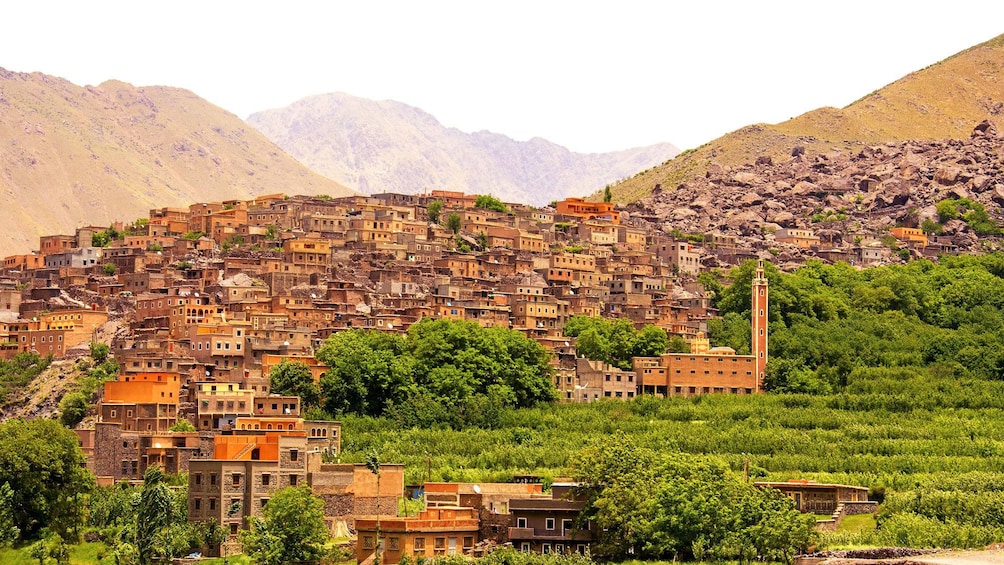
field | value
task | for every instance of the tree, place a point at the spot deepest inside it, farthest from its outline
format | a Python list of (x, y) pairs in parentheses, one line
[(294, 378), (608, 195), (182, 425), (72, 409), (489, 202), (291, 529), (434, 210), (666, 505), (453, 222), (9, 532), (108, 269), (366, 372), (153, 514), (99, 351), (43, 466)]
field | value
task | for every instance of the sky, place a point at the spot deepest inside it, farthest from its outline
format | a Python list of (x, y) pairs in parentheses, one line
[(592, 76)]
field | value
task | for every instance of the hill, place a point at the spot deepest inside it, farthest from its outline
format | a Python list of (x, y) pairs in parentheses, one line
[(387, 146), (116, 151), (941, 101)]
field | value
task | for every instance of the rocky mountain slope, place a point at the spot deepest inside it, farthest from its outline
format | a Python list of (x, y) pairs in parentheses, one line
[(841, 196), (114, 151), (942, 101), (388, 146)]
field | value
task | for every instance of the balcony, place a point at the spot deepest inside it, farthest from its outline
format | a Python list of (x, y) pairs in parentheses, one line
[(543, 534)]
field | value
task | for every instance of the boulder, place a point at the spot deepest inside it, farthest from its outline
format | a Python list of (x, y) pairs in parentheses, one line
[(947, 175)]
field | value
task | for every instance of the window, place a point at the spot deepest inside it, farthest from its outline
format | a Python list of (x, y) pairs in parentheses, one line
[(468, 542), (419, 544), (265, 479), (212, 504), (233, 529), (367, 542), (546, 548), (294, 455), (292, 480), (394, 544), (566, 525), (198, 503), (549, 524), (524, 547), (236, 480), (212, 479), (520, 522), (198, 478)]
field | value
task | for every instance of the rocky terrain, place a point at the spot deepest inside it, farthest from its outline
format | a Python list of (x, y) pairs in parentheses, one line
[(941, 101), (112, 152), (387, 146), (840, 194)]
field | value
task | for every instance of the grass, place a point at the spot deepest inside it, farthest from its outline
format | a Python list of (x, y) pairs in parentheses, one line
[(858, 524), (86, 553)]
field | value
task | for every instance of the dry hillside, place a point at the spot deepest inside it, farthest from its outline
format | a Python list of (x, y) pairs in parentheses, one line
[(74, 155), (387, 146), (942, 101)]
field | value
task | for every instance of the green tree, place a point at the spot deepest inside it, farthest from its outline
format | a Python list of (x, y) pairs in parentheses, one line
[(434, 209), (291, 529), (109, 269), (99, 351), (294, 378), (489, 202), (73, 408), (608, 195), (9, 532), (677, 345), (182, 425), (453, 222), (366, 371), (44, 468), (153, 514)]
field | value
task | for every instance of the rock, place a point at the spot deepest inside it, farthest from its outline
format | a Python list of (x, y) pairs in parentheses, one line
[(958, 192), (798, 151), (783, 218), (986, 128), (745, 179), (803, 188), (750, 199), (998, 194), (764, 160), (947, 175)]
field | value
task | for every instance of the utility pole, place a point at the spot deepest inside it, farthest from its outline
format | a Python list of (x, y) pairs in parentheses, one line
[(373, 464)]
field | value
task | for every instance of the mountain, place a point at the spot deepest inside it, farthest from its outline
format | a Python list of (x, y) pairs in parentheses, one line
[(388, 146), (944, 100), (113, 152)]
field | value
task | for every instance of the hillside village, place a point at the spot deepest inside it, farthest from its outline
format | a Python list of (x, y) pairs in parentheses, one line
[(199, 304)]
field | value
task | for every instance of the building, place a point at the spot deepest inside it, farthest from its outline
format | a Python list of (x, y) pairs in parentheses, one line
[(818, 498), (707, 370), (434, 532), (550, 525), (579, 208)]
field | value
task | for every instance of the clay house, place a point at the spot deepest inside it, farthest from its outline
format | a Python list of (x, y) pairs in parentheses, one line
[(550, 525), (817, 498), (707, 370), (582, 210), (434, 532), (913, 237), (802, 238), (680, 254), (594, 380)]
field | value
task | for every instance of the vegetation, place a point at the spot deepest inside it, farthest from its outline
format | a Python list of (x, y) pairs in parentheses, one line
[(489, 202), (291, 529), (664, 505), (441, 371), (969, 211), (294, 378), (434, 209), (614, 340), (453, 222), (20, 371), (43, 468)]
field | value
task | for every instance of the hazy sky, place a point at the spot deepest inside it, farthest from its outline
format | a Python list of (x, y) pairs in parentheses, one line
[(593, 76)]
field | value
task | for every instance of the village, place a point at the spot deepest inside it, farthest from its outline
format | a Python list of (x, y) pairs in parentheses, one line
[(206, 301)]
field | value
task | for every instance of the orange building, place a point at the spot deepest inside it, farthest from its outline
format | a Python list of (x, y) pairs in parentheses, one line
[(434, 532), (912, 236), (579, 208), (707, 370)]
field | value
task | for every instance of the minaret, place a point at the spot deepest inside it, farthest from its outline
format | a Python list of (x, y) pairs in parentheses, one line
[(759, 319)]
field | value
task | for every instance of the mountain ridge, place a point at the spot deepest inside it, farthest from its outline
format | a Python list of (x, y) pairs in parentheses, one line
[(390, 146), (121, 150), (941, 101)]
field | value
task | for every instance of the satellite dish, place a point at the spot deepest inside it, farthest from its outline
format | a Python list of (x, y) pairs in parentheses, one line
[(477, 489)]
